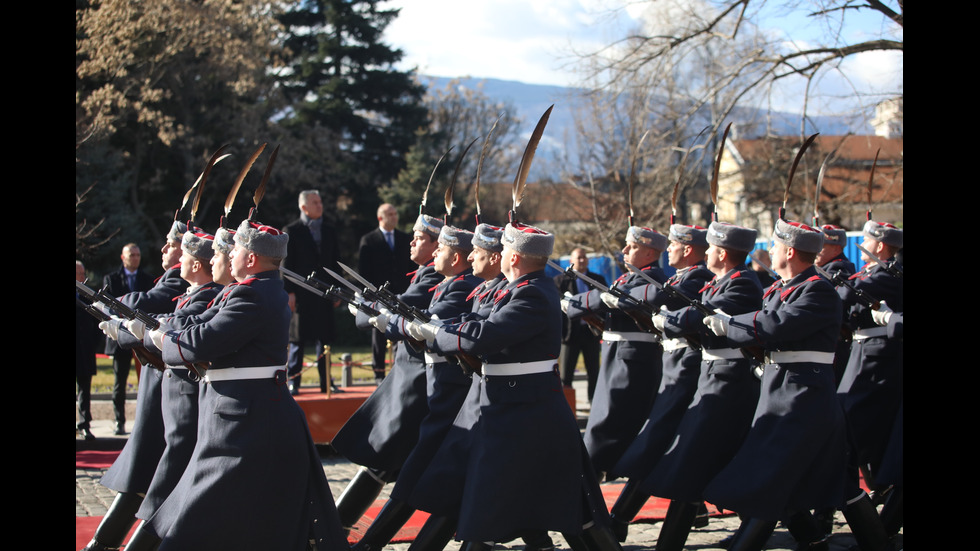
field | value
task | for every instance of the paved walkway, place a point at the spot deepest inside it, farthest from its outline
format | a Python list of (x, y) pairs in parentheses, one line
[(92, 499)]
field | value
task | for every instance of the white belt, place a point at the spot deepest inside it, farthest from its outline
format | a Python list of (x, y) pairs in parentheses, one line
[(240, 373), (799, 356), (637, 336), (861, 334), (518, 368), (712, 354), (674, 344), (434, 358)]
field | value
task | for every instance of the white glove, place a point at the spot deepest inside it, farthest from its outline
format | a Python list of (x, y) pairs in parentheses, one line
[(136, 327), (564, 304), (882, 314), (156, 337), (102, 307), (422, 331), (380, 322), (718, 323), (658, 319), (352, 308), (609, 299), (111, 328)]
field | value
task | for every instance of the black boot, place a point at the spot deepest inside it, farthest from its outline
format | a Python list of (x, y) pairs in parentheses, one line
[(476, 546), (600, 538), (358, 496), (627, 506), (892, 511), (752, 535), (390, 520), (576, 542), (676, 525), (143, 539), (825, 520), (701, 518), (116, 523), (538, 541), (806, 531), (434, 535), (865, 524)]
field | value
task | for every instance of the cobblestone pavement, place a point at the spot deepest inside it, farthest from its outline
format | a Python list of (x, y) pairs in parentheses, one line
[(92, 499)]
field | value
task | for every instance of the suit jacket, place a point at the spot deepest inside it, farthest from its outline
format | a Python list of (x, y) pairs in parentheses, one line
[(313, 318), (117, 287), (568, 284), (379, 264)]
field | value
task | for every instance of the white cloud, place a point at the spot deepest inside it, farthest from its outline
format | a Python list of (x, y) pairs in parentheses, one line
[(506, 39)]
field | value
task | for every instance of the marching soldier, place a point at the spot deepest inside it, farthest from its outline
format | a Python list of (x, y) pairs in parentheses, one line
[(871, 388), (526, 471), (681, 370), (720, 412), (384, 430), (179, 388), (831, 259), (793, 457), (131, 473), (255, 479), (632, 359), (446, 383)]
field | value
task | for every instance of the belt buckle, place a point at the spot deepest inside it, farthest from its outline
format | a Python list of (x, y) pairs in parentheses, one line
[(280, 377)]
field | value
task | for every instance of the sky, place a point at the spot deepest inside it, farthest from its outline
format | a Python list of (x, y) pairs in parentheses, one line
[(535, 41)]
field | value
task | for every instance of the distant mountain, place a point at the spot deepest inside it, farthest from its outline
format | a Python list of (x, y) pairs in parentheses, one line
[(531, 100)]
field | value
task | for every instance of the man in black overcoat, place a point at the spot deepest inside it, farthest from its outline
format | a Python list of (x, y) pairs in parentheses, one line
[(576, 337), (129, 278), (383, 256), (312, 246)]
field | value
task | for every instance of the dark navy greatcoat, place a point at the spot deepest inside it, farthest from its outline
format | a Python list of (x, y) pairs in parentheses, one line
[(681, 370), (178, 402), (526, 470), (720, 413), (254, 480), (628, 377), (384, 430), (794, 456), (840, 264), (439, 489), (133, 470), (871, 388), (446, 384)]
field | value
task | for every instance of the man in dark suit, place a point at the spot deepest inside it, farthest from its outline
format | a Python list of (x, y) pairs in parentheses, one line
[(86, 337), (383, 256), (576, 336), (312, 246), (129, 278)]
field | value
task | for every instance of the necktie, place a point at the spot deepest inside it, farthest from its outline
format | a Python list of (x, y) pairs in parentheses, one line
[(390, 239)]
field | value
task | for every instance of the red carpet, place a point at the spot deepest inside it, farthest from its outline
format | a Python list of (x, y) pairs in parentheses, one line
[(653, 511)]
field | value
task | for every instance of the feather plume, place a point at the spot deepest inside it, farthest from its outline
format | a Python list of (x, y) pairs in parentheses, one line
[(521, 180), (230, 200), (792, 171), (260, 191), (479, 167), (713, 186), (452, 182)]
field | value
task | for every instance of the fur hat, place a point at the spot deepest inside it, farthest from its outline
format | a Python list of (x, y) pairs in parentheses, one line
[(883, 232), (647, 237), (262, 240), (798, 236), (428, 224), (224, 240), (456, 237), (730, 236), (528, 240), (198, 244), (177, 231), (834, 235), (689, 235), (488, 237)]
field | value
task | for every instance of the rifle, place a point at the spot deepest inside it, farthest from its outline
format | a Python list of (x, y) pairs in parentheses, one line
[(326, 291), (468, 362), (143, 354), (641, 318), (750, 352), (837, 279), (891, 269)]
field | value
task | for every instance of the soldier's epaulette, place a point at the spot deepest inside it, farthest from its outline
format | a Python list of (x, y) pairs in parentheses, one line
[(521, 284), (248, 281)]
